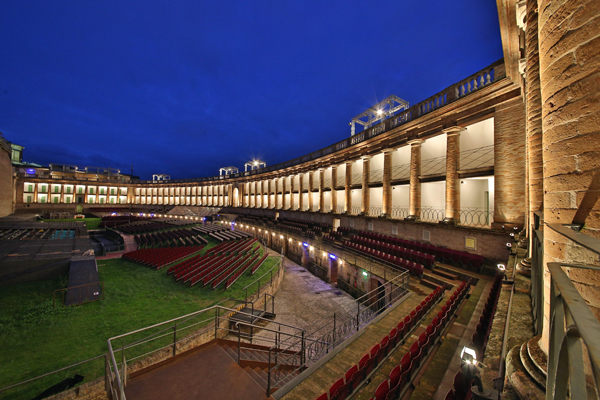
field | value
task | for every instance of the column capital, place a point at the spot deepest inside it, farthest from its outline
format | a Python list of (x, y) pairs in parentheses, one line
[(366, 158), (415, 142), (389, 151), (454, 130)]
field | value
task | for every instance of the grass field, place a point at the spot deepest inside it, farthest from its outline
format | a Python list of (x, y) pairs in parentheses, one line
[(37, 338), (90, 223)]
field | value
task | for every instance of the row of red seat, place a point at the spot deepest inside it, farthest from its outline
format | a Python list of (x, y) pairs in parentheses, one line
[(241, 264), (234, 277), (159, 258), (189, 269), (259, 263), (344, 386), (231, 246), (463, 258), (462, 387), (410, 363), (411, 266), (209, 275), (427, 260)]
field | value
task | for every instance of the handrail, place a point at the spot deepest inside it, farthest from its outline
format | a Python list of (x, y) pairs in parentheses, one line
[(565, 355)]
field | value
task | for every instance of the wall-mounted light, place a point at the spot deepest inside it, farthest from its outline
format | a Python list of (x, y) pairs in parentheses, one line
[(365, 273), (280, 236), (332, 256), (305, 244)]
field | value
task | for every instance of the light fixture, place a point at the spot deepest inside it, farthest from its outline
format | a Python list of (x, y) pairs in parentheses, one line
[(501, 267), (365, 273), (280, 236), (468, 355), (311, 248), (290, 239), (332, 256)]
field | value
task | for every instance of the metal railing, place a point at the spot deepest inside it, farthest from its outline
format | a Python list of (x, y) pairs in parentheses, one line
[(354, 210), (376, 175), (374, 211), (339, 209), (341, 180), (356, 179), (433, 166), (401, 172), (478, 217), (477, 158), (326, 183), (574, 343), (400, 212), (432, 214), (332, 331)]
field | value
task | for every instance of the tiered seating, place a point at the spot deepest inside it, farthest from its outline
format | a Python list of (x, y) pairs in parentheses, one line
[(426, 260), (410, 363), (344, 230), (460, 258), (411, 266), (232, 246), (159, 258), (345, 385), (146, 228), (258, 264), (462, 387), (179, 237), (329, 238)]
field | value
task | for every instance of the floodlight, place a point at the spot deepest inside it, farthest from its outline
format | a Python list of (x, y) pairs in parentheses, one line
[(365, 273), (468, 355), (501, 267), (332, 256)]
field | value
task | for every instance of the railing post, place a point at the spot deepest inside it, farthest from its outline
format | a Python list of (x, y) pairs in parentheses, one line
[(357, 315), (175, 339), (239, 342), (334, 328), (269, 376), (216, 321), (303, 354)]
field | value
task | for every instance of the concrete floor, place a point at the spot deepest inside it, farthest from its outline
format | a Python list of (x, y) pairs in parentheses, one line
[(306, 302)]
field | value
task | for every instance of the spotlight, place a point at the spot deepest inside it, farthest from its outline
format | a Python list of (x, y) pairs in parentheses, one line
[(332, 256), (468, 356), (280, 236), (365, 273), (501, 267)]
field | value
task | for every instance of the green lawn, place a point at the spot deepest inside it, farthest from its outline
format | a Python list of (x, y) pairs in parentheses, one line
[(90, 223), (37, 338)]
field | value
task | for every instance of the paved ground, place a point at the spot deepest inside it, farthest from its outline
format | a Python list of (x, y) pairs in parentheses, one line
[(306, 302)]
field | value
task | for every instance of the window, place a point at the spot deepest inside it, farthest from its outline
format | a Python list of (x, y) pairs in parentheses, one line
[(56, 189), (112, 191), (28, 199), (80, 190), (30, 188), (394, 230), (43, 199), (55, 199), (68, 200), (370, 226), (68, 189), (101, 190)]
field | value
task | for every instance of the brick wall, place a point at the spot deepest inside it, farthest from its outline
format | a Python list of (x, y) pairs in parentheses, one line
[(509, 163)]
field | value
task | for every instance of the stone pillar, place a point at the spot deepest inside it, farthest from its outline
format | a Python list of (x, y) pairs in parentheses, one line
[(310, 189), (387, 183), (333, 191), (414, 213), (569, 42), (509, 164), (534, 113), (347, 190), (276, 203), (300, 202), (452, 181), (365, 203), (255, 194), (321, 175), (290, 184)]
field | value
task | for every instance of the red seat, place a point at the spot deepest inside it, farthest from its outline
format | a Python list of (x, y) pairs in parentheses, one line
[(395, 375), (322, 397), (382, 390), (334, 388), (353, 378)]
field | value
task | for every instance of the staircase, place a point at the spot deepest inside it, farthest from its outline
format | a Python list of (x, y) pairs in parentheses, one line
[(254, 360)]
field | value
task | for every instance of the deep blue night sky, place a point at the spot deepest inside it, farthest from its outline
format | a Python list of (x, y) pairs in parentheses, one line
[(187, 87)]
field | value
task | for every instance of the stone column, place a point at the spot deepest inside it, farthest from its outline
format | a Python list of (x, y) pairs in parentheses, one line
[(255, 194), (509, 164), (275, 183), (415, 185), (366, 198), (289, 182), (321, 175), (300, 202), (534, 113), (347, 190), (305, 256), (310, 189), (333, 191), (387, 183), (569, 42), (452, 181)]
